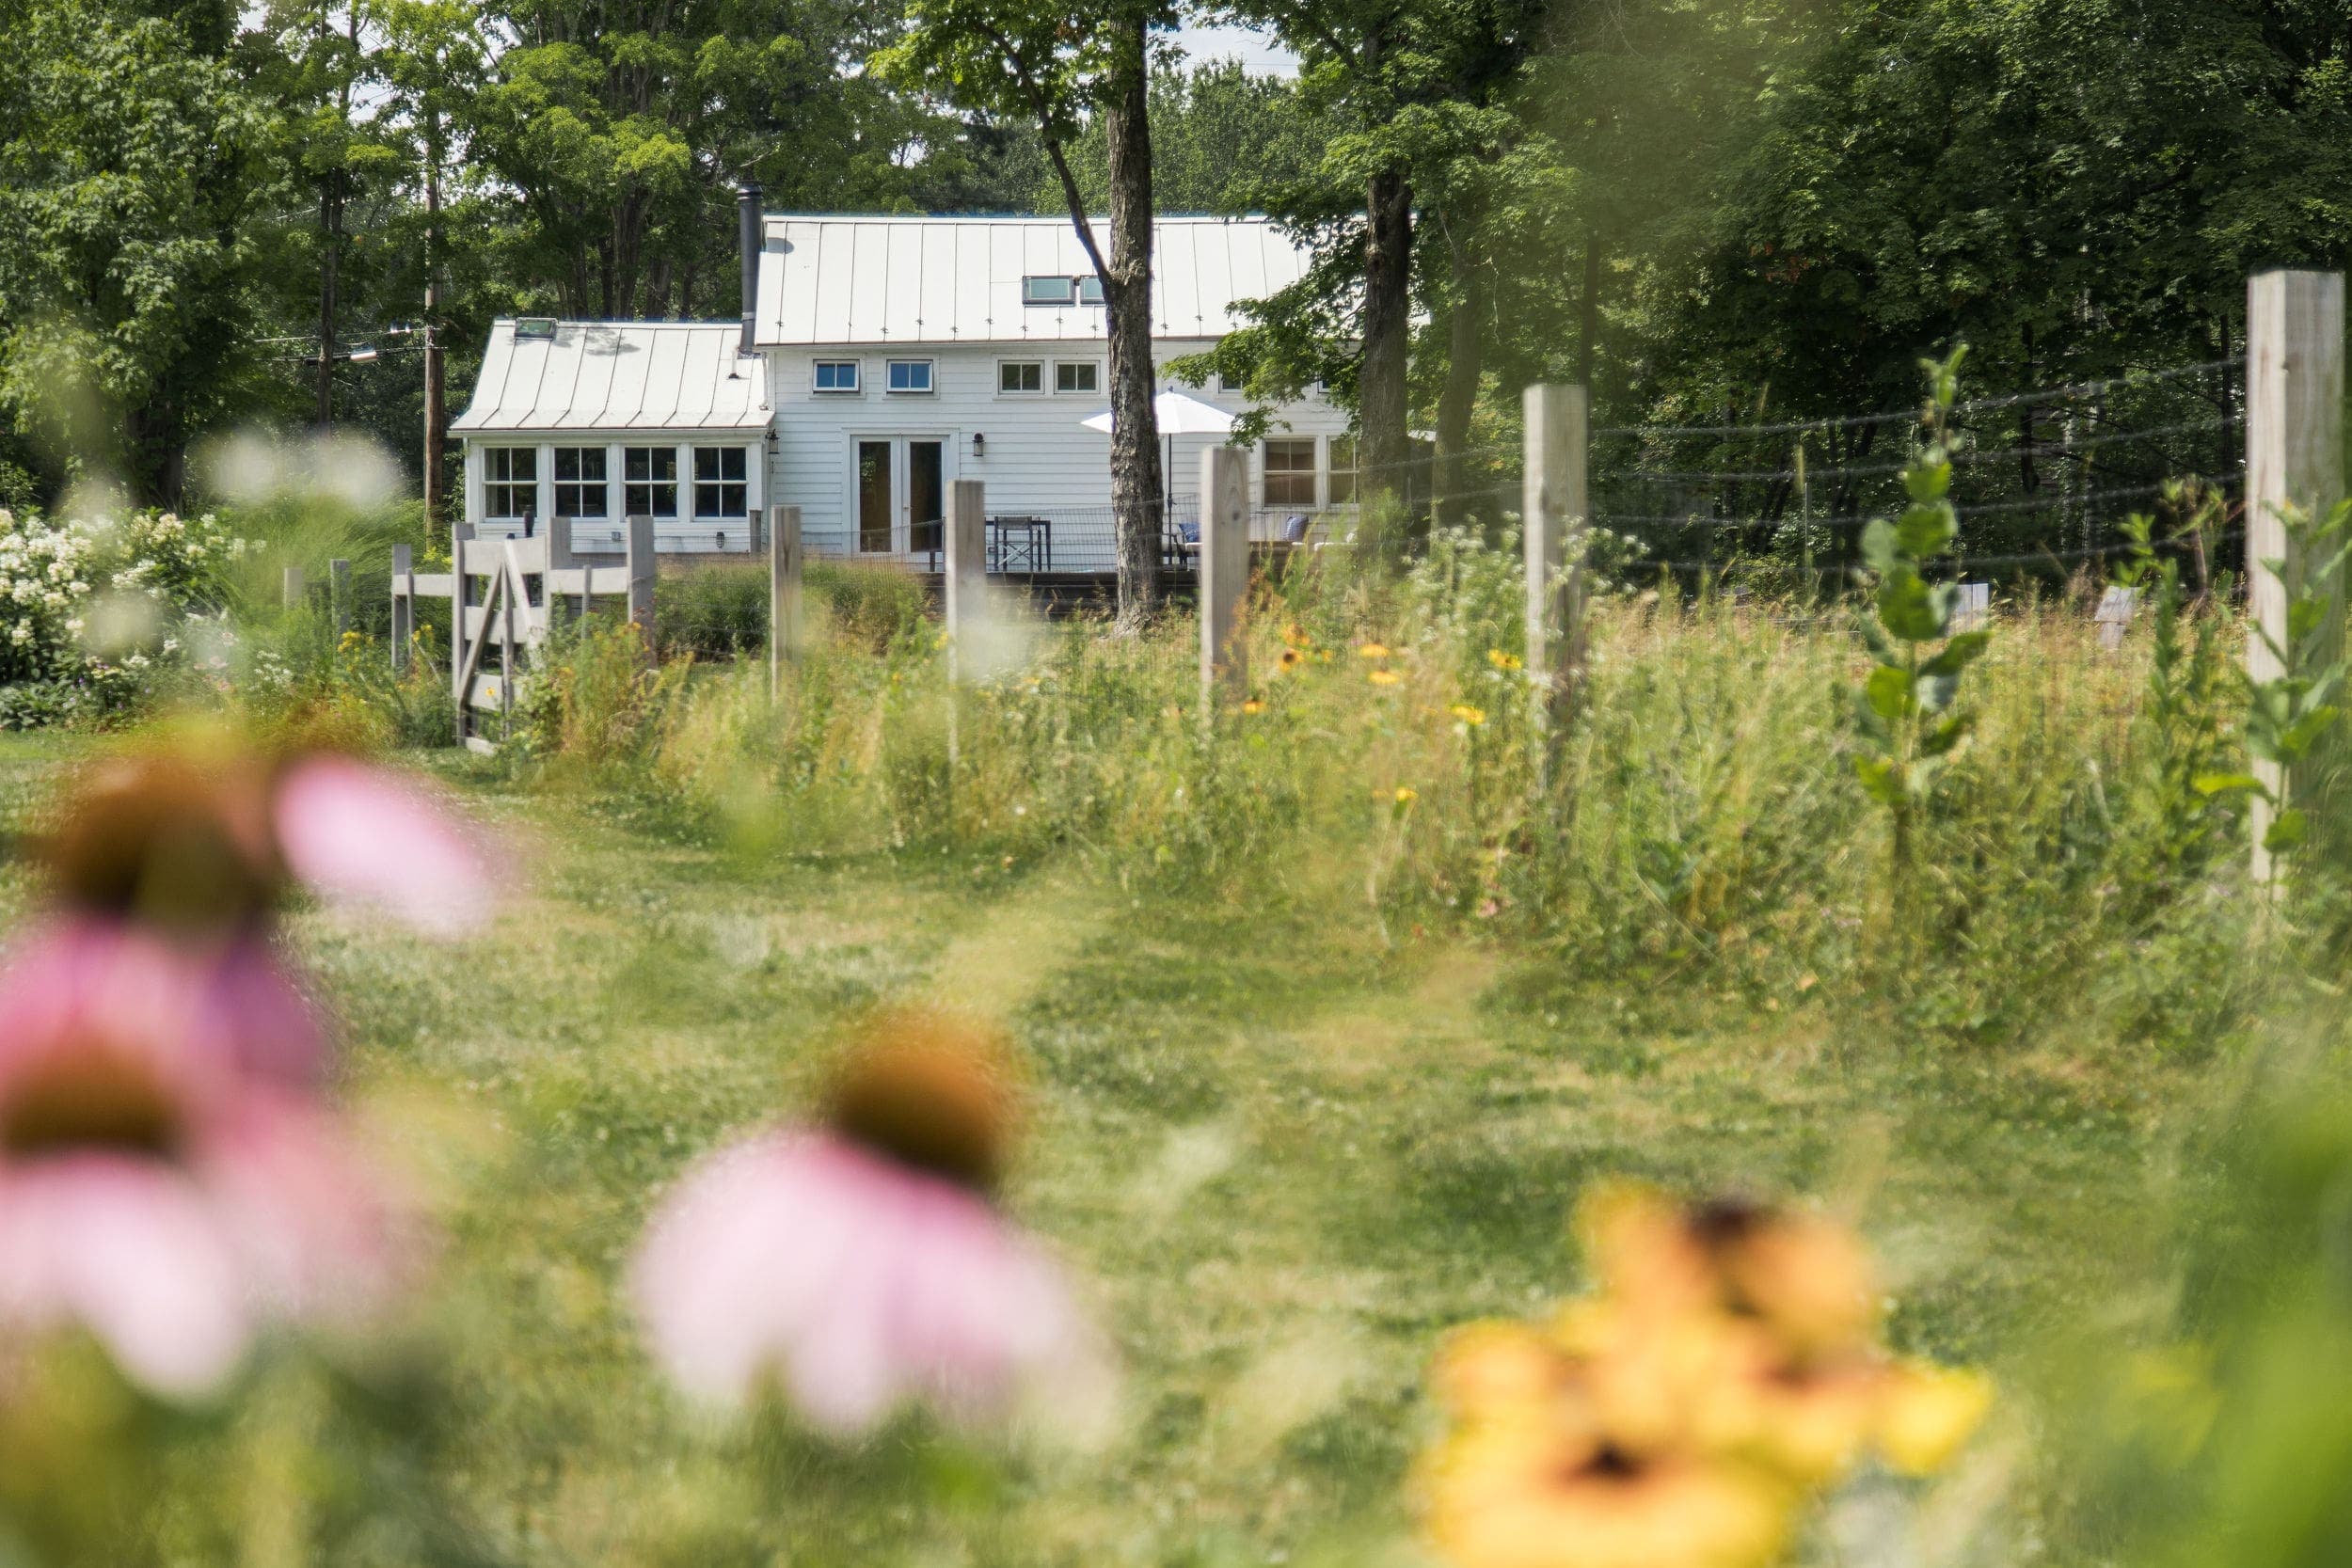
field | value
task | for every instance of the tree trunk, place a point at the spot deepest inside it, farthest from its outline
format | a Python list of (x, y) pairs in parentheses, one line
[(1388, 319), (1588, 313), (330, 219), (1138, 489), (1458, 398)]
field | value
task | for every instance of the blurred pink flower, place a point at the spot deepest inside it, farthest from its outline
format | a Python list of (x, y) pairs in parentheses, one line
[(365, 834), (859, 1284), (169, 1203), (106, 979)]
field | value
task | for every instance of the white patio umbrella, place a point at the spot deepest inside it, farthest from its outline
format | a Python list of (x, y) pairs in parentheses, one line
[(1176, 415)]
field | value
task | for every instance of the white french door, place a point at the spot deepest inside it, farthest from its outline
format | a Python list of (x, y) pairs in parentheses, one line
[(898, 492)]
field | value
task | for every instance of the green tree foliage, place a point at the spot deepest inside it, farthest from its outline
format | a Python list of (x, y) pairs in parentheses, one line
[(133, 204)]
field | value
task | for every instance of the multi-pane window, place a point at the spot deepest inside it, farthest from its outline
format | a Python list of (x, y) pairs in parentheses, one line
[(510, 481), (720, 488), (579, 483), (1290, 472), (837, 376), (1077, 375), (1048, 290), (1230, 383), (649, 479), (910, 376), (1021, 375), (1343, 469)]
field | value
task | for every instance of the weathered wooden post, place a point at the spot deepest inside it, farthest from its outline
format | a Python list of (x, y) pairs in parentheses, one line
[(294, 588), (640, 576), (339, 593), (404, 608), (460, 599), (783, 592), (1554, 511), (965, 590), (2294, 457), (1224, 577), (561, 558)]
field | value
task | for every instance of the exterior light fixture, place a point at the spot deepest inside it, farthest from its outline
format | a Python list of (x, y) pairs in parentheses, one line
[(979, 445), (362, 354)]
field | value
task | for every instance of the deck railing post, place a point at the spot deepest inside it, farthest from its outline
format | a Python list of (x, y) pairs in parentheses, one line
[(339, 593), (294, 588), (783, 592), (2294, 458), (561, 558), (404, 608), (640, 576), (967, 586), (460, 599), (1554, 511)]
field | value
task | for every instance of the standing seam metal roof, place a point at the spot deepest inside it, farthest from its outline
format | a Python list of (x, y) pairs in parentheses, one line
[(617, 376), (840, 278)]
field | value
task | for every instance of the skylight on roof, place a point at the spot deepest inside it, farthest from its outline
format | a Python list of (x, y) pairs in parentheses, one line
[(535, 329), (1049, 291)]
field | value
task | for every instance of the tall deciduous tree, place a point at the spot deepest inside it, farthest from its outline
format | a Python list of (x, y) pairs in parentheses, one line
[(1055, 69), (132, 202)]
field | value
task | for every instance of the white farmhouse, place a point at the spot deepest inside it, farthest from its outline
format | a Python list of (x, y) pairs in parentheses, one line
[(887, 357)]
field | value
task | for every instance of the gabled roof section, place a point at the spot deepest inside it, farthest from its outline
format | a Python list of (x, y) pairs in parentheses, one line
[(844, 279), (615, 376)]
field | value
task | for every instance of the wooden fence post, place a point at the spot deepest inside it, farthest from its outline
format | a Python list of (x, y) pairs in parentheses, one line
[(783, 592), (640, 576), (1554, 511), (404, 608), (460, 598), (967, 584), (339, 593), (1224, 575), (2294, 457), (294, 588)]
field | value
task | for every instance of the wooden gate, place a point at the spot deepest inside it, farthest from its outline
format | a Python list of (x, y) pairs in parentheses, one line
[(508, 596)]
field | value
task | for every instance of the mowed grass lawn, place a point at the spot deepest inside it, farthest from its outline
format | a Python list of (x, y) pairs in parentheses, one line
[(1286, 1156)]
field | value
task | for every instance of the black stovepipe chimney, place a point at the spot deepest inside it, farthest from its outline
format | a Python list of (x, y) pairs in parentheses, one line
[(749, 224)]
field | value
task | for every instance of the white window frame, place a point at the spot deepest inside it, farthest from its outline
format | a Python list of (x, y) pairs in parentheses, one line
[(1032, 284), (603, 455), (1332, 470), (1005, 392), (508, 483), (721, 483), (1266, 470), (931, 378), (651, 484), (857, 379), (1094, 370)]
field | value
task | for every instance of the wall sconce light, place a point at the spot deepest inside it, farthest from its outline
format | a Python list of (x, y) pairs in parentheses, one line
[(979, 445)]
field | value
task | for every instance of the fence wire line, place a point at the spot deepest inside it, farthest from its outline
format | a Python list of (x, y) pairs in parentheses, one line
[(1959, 562), (1851, 519), (1975, 405), (2056, 452)]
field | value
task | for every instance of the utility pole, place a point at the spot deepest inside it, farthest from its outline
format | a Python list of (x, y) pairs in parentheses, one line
[(435, 406)]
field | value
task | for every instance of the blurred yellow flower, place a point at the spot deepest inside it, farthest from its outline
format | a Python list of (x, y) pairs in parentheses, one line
[(1383, 677), (1406, 795), (1253, 705), (1927, 1412), (1502, 661), (1373, 650), (1296, 638), (1469, 715), (1292, 658), (1536, 1494)]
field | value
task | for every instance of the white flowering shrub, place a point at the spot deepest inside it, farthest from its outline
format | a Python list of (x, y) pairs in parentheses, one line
[(90, 600), (44, 586)]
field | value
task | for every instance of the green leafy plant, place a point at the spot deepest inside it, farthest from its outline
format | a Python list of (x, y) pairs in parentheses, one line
[(2289, 714), (2191, 683), (1909, 721)]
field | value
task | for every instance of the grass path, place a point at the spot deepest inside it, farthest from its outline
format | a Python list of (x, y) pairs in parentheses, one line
[(1288, 1156)]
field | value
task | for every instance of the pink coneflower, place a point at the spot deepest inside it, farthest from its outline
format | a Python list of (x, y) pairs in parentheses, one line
[(109, 979), (169, 1204), (861, 1266), (204, 839)]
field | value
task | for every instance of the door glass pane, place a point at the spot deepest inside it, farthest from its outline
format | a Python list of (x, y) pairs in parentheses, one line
[(927, 496), (873, 495)]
